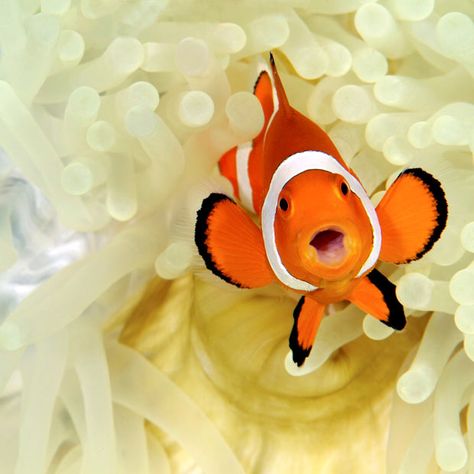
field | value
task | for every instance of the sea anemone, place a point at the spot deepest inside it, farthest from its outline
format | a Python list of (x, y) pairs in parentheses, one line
[(119, 353)]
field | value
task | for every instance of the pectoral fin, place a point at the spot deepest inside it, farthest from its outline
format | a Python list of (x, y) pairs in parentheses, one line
[(375, 294), (307, 316), (412, 215), (231, 244)]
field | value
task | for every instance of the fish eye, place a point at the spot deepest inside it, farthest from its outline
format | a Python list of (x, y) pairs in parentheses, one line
[(284, 204), (344, 188)]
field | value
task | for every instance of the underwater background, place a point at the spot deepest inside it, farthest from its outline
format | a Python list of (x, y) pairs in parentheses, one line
[(119, 352)]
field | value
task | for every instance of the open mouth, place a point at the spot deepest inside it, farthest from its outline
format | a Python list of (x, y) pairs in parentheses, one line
[(329, 245)]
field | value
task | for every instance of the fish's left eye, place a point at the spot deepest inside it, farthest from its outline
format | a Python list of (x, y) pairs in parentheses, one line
[(344, 188)]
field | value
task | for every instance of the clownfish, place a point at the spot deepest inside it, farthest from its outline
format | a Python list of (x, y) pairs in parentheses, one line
[(319, 233)]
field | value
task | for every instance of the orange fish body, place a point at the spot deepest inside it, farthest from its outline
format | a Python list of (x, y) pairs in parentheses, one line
[(319, 233)]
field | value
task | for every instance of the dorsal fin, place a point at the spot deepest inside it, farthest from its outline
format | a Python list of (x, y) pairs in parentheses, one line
[(290, 132), (264, 91), (283, 103)]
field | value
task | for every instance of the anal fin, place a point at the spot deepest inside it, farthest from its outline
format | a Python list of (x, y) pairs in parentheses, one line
[(307, 317), (375, 294), (231, 244)]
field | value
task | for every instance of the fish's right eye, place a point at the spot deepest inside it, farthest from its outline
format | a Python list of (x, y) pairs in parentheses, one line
[(344, 188), (283, 204)]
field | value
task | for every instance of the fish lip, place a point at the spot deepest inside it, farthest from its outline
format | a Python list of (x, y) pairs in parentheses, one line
[(329, 243)]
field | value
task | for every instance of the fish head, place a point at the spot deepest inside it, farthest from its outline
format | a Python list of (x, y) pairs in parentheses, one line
[(322, 231)]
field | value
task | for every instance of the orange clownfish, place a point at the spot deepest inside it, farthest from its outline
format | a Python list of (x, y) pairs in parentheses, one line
[(319, 233)]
